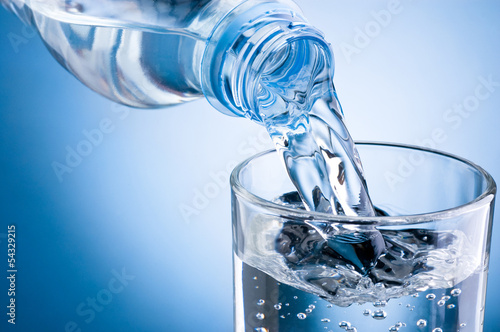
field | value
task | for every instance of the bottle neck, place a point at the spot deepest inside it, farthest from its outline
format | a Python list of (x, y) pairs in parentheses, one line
[(257, 42)]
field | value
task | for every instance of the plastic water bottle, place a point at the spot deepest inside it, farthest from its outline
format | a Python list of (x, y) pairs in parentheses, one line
[(146, 53)]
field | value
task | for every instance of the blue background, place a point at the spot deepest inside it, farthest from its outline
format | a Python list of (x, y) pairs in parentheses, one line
[(120, 208)]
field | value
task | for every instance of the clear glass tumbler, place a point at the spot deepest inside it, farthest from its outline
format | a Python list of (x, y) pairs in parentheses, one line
[(420, 265)]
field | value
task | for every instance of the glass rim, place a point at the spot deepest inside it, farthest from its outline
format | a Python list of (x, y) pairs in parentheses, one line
[(485, 198)]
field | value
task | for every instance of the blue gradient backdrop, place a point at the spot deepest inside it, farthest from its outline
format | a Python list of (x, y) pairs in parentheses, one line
[(119, 210)]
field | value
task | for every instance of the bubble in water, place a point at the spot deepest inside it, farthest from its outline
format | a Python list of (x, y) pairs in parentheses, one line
[(260, 316), (345, 325), (367, 312), (261, 302), (415, 295), (261, 329), (421, 323), (393, 329), (379, 314), (463, 325), (277, 306), (445, 298), (456, 292), (325, 320), (301, 315), (430, 296), (282, 316), (287, 304), (451, 306), (308, 311), (74, 7), (379, 304), (329, 306), (351, 329), (441, 303), (254, 278), (400, 324), (437, 329), (312, 231), (295, 297), (312, 306)]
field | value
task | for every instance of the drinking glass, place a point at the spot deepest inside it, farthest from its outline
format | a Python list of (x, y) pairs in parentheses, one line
[(420, 265)]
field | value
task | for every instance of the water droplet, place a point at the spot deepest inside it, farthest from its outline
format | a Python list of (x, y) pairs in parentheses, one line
[(261, 329), (437, 329), (343, 324), (456, 292), (260, 316), (325, 320), (441, 303), (301, 315), (430, 297), (379, 314), (421, 323), (451, 306), (367, 312), (261, 302)]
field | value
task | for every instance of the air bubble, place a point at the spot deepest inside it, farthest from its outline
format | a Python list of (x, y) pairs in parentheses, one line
[(393, 329), (437, 329), (295, 297), (441, 303), (329, 306), (379, 314), (308, 311), (277, 306), (301, 315), (282, 316), (254, 278), (325, 320), (415, 295), (451, 306), (344, 325), (463, 325), (421, 323), (445, 298), (367, 312), (456, 292), (261, 329), (312, 306), (379, 304), (74, 7), (351, 329), (261, 302), (430, 297), (260, 316)]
